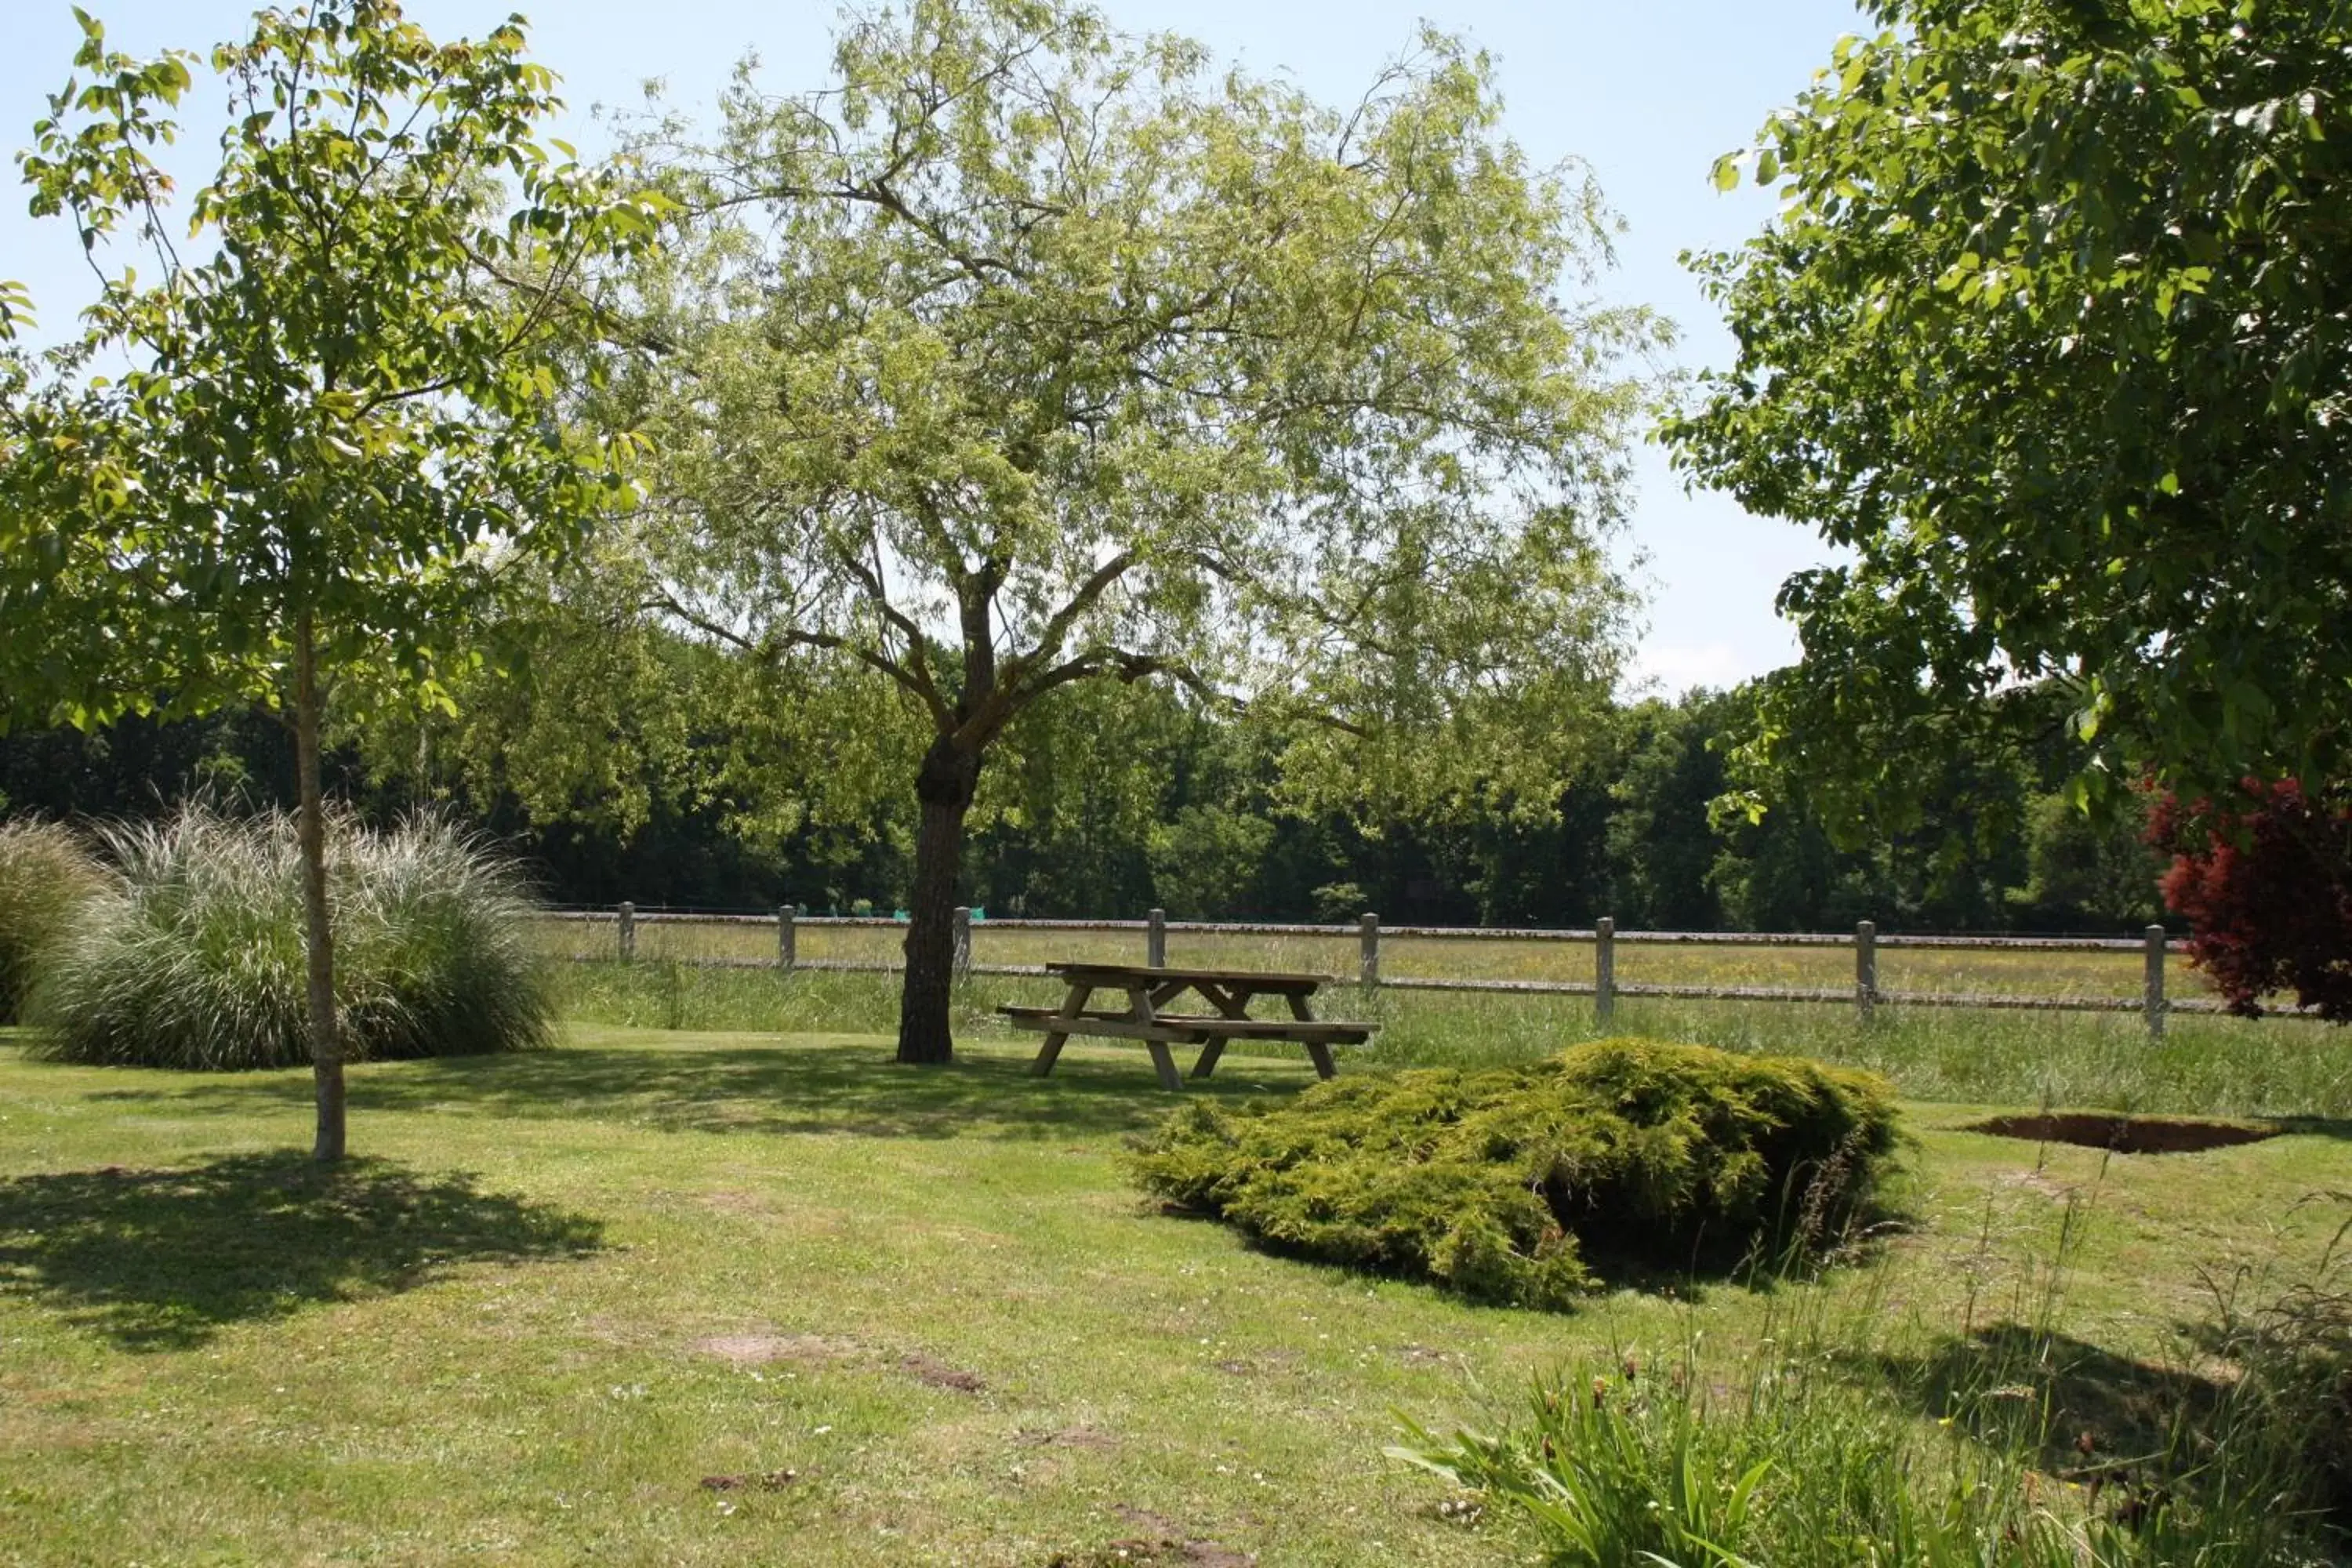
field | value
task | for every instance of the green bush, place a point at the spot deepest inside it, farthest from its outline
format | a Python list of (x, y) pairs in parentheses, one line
[(194, 957), (1513, 1184), (46, 875)]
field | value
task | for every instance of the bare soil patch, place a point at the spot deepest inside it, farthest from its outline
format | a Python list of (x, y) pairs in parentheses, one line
[(762, 1350), (1162, 1544), (934, 1373), (773, 1482), (1067, 1438), (2126, 1134)]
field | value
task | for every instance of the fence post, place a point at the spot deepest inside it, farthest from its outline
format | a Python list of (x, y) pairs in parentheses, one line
[(1605, 971), (963, 941), (1369, 944), (1155, 939), (1602, 971), (788, 942), (1865, 967), (2153, 1003), (627, 929)]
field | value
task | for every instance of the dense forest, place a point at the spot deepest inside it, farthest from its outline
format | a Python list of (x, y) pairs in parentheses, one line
[(651, 768)]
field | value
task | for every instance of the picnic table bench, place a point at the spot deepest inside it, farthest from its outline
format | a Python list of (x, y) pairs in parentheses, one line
[(1146, 1017)]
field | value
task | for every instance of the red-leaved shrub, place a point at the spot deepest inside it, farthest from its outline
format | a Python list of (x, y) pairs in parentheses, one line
[(2266, 888)]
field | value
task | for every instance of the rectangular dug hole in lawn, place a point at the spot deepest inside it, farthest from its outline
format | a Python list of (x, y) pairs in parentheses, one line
[(2125, 1134)]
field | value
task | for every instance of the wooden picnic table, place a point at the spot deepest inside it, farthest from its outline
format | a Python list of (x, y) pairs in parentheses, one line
[(1146, 1017)]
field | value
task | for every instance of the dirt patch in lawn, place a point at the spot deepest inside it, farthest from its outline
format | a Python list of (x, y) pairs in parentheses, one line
[(1161, 1544), (2125, 1134), (933, 1374), (1069, 1438), (763, 1350), (773, 1482)]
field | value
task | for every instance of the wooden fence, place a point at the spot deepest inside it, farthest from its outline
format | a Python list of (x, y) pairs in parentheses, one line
[(1864, 995)]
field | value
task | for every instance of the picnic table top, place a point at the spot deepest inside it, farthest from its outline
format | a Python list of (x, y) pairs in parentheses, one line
[(1259, 979)]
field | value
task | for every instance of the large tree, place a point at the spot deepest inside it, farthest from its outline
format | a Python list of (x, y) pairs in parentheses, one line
[(1028, 354), (288, 463), (2054, 335)]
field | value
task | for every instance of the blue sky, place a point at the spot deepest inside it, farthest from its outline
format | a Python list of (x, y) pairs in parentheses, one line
[(1647, 93)]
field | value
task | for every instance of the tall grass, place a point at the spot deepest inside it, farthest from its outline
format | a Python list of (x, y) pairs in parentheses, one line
[(1834, 1442), (194, 957), (2205, 1065), (46, 875)]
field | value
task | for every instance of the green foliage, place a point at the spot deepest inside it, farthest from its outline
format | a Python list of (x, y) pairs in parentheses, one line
[(1796, 1469), (340, 429), (192, 956), (46, 878), (2102, 867), (1037, 408), (1611, 1473), (1205, 860), (1516, 1185), (1236, 391), (2046, 1452), (2048, 336), (2290, 1341), (340, 424)]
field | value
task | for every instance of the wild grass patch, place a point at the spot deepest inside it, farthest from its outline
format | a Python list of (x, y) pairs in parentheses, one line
[(46, 874), (1808, 1448), (192, 957)]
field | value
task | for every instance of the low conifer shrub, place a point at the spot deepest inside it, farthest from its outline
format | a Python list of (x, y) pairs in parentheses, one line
[(192, 957), (1521, 1185), (46, 875)]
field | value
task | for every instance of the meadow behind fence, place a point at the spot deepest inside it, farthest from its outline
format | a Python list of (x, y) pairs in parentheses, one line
[(2145, 974), (2056, 1021)]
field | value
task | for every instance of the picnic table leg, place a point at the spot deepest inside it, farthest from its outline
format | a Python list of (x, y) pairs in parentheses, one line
[(1143, 1001), (1232, 1003), (1074, 1005), (1316, 1051)]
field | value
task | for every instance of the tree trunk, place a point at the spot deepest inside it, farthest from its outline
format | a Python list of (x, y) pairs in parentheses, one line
[(319, 941), (944, 785)]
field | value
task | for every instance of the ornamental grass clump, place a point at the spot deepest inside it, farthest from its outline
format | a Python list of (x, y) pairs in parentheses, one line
[(1524, 1186), (194, 957), (46, 875)]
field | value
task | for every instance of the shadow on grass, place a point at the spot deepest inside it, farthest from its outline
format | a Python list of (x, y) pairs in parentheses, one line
[(855, 1089), (161, 1259), (2073, 1407), (2309, 1126)]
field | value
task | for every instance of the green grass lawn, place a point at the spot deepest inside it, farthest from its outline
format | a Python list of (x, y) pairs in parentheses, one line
[(565, 1293)]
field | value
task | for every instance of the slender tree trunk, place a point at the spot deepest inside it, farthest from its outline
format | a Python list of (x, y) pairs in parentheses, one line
[(944, 785), (319, 939)]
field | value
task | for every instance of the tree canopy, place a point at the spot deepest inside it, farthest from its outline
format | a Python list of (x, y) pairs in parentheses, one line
[(2051, 335), (1029, 355), (289, 465)]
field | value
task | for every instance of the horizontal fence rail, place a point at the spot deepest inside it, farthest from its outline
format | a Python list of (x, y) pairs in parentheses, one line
[(1864, 995)]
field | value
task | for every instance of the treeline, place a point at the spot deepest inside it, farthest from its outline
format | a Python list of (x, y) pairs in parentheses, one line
[(671, 775)]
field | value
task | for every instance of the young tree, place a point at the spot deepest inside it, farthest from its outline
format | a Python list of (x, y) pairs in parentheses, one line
[(1029, 355), (2054, 335), (333, 429)]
